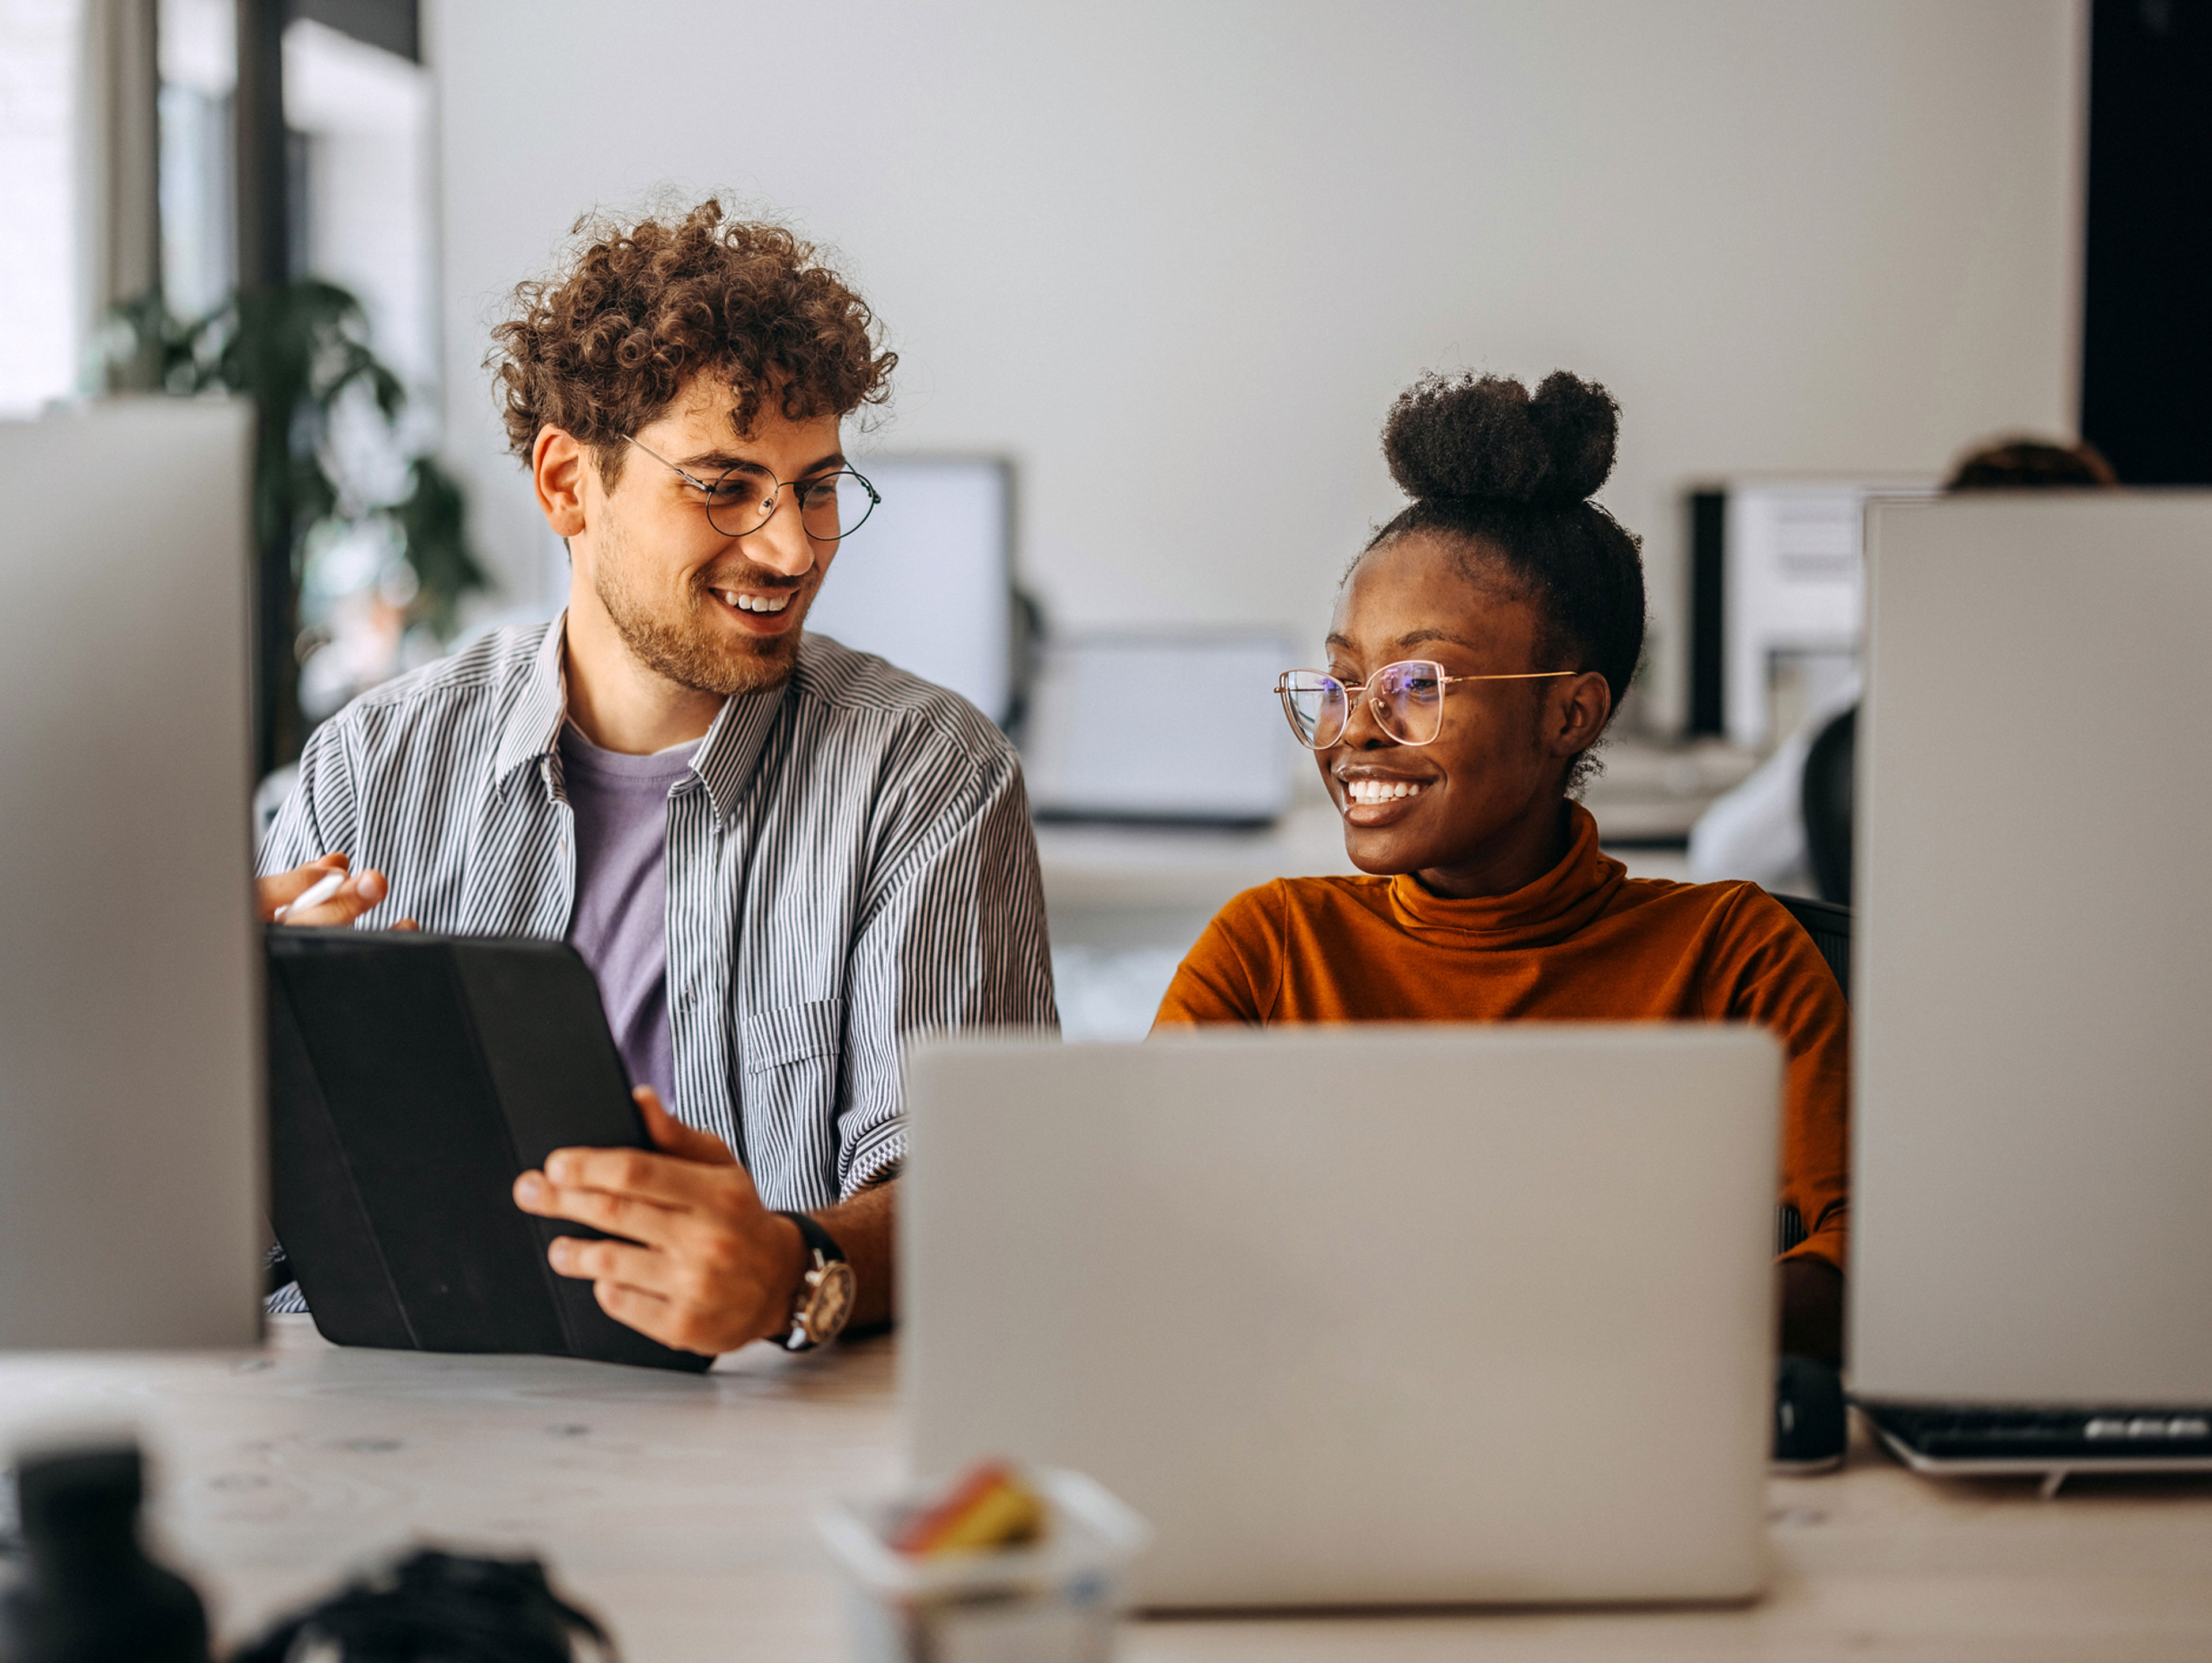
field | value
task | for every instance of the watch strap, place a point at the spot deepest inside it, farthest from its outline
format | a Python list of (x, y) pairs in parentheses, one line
[(818, 1239)]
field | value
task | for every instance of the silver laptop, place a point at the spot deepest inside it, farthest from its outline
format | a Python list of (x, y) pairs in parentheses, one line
[(2033, 984), (1361, 1316)]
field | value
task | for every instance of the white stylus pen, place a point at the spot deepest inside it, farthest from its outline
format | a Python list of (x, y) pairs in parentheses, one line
[(321, 891)]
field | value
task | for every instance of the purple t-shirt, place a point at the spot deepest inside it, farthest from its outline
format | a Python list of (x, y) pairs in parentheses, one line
[(619, 920)]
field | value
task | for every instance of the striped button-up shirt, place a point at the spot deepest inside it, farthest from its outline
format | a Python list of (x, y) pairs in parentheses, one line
[(849, 861)]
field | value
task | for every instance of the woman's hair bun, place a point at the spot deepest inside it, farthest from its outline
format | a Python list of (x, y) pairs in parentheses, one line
[(1485, 438)]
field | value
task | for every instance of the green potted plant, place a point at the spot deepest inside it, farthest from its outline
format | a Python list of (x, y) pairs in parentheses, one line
[(299, 352)]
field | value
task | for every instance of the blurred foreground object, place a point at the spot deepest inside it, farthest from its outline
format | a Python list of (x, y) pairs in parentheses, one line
[(1054, 1597), (434, 1607), (90, 1594), (131, 1043), (989, 1508), (2031, 915)]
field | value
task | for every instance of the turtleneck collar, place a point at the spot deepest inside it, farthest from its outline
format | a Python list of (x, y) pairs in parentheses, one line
[(1564, 900)]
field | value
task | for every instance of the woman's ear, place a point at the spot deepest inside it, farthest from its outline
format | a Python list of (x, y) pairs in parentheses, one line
[(556, 469), (1578, 711)]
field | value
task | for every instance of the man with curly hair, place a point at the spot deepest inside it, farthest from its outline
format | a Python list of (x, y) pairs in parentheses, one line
[(778, 855)]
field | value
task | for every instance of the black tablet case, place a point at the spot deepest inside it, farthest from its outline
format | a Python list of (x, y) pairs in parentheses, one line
[(412, 1077)]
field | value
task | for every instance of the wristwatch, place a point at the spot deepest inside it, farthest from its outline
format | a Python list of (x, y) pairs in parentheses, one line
[(824, 1304)]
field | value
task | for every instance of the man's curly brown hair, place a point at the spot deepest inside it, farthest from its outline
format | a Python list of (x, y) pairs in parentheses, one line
[(601, 347)]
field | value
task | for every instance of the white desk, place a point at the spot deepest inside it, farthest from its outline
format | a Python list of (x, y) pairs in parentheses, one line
[(1647, 793), (676, 1507)]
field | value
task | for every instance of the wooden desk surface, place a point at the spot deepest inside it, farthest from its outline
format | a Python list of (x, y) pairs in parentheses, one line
[(677, 1508)]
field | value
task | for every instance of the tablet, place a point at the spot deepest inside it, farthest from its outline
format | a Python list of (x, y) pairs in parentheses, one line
[(412, 1078)]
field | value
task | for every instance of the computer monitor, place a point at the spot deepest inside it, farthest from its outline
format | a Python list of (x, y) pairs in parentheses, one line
[(928, 583), (131, 1037), (1781, 588), (2033, 1113)]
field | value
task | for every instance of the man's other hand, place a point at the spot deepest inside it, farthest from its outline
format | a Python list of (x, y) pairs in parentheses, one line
[(357, 895), (704, 1266)]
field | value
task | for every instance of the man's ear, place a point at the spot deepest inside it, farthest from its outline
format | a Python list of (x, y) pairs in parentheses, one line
[(1579, 709), (557, 463)]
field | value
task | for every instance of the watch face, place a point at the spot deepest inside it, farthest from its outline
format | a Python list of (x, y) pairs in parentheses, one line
[(830, 1301)]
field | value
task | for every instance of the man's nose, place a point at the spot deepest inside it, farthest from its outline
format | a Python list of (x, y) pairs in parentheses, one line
[(783, 544)]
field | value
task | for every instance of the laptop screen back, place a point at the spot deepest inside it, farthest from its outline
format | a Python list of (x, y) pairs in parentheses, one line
[(1369, 1315)]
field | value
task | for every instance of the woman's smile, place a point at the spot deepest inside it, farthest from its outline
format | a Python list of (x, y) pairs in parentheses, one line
[(1369, 796)]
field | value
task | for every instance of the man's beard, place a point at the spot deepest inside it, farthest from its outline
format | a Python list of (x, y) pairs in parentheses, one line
[(684, 648)]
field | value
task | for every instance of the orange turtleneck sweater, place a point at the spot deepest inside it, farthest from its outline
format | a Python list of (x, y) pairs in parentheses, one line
[(1583, 942)]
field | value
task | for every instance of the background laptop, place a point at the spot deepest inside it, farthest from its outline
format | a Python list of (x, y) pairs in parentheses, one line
[(2034, 977), (1089, 742), (1362, 1315)]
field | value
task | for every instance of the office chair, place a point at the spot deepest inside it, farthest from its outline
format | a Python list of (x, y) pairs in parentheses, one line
[(1827, 801), (1830, 926)]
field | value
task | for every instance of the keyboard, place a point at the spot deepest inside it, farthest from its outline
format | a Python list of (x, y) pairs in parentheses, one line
[(2151, 1436)]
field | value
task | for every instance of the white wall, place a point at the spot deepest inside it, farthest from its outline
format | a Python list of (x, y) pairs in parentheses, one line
[(370, 182), (43, 287), (1177, 258)]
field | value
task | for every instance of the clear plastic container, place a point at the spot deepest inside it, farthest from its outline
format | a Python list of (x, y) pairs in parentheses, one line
[(1055, 1602)]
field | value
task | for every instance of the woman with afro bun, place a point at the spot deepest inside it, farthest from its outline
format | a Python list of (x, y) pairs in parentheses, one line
[(1481, 642)]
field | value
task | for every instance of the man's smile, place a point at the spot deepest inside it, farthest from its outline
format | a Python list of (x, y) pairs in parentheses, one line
[(752, 601), (760, 611)]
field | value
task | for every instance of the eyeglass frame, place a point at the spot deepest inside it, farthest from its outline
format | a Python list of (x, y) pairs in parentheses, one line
[(1351, 706), (774, 497)]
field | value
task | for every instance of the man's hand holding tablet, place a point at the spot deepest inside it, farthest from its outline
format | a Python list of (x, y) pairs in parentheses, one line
[(703, 1265)]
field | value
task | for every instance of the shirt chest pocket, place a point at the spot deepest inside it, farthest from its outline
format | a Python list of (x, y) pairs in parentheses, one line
[(792, 1033), (790, 1056)]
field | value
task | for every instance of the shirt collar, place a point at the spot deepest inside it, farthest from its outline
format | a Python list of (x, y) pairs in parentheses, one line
[(732, 750), (1541, 914), (725, 758), (533, 730)]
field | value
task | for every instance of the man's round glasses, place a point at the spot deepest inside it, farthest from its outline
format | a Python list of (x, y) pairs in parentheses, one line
[(745, 497), (1408, 699)]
